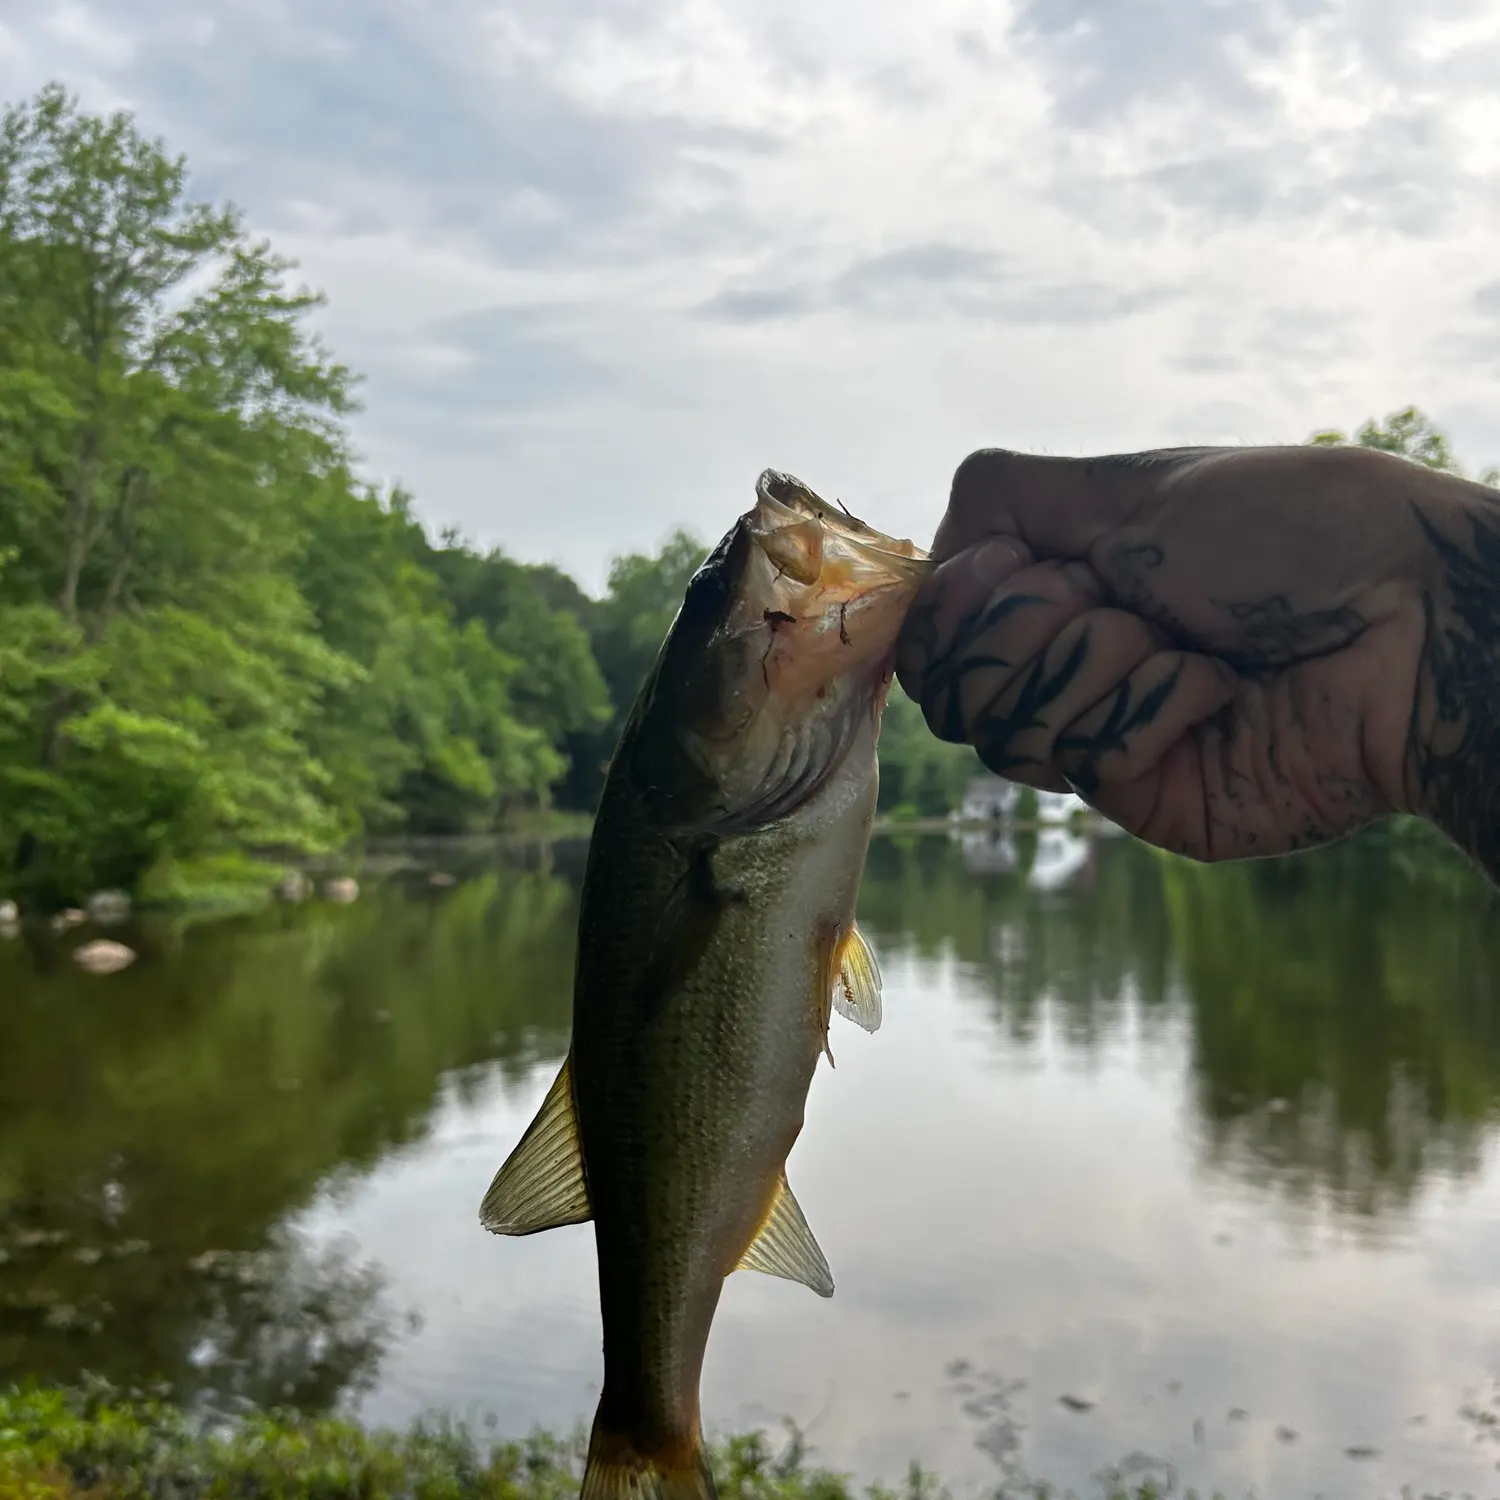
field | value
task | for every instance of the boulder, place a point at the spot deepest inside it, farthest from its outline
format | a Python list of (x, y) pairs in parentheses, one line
[(103, 957), (63, 920), (294, 886), (442, 878), (9, 912)]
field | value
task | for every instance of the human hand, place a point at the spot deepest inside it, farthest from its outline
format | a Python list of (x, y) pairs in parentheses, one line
[(1229, 652)]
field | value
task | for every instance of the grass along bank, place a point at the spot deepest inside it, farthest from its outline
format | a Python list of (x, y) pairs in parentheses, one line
[(104, 1445)]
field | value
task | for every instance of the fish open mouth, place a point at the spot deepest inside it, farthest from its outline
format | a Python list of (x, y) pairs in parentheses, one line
[(817, 543), (836, 592)]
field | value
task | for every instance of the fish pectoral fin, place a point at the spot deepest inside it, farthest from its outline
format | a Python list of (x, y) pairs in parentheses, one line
[(785, 1246), (542, 1186), (856, 984)]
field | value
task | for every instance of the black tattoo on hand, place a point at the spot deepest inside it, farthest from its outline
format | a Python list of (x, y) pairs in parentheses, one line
[(945, 670), (1079, 753), (994, 730), (1276, 635), (1455, 758)]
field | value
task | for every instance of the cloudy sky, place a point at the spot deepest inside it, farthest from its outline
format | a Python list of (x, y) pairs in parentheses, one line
[(601, 261)]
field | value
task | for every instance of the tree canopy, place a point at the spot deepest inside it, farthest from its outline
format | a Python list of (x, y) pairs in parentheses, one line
[(213, 634)]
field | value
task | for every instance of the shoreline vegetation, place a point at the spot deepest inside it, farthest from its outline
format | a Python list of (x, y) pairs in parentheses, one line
[(224, 653), (97, 1443), (222, 649)]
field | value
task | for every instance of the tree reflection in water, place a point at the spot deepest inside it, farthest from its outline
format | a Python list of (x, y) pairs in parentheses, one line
[(1340, 1007), (157, 1132)]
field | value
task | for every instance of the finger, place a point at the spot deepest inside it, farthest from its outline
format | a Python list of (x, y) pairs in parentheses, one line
[(1015, 623), (1135, 755), (950, 604), (1016, 730), (1058, 506), (1129, 729)]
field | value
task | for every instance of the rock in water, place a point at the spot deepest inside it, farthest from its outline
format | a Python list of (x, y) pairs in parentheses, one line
[(69, 918), (442, 878), (9, 930), (343, 890), (108, 908), (294, 886), (103, 957), (9, 912)]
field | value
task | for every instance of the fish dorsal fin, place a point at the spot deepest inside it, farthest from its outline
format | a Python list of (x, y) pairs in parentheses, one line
[(785, 1246), (541, 1186), (856, 986)]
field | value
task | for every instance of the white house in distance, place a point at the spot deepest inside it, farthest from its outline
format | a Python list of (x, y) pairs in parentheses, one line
[(992, 799)]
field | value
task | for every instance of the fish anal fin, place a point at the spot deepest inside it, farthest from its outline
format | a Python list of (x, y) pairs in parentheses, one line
[(785, 1246), (618, 1470), (542, 1185), (856, 984)]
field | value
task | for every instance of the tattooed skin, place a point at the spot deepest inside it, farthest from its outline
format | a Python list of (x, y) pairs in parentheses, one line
[(1259, 790), (1125, 718), (1454, 741), (946, 669), (1231, 652), (1039, 688), (1276, 635)]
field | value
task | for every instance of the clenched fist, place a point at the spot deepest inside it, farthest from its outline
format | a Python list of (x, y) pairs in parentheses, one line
[(1229, 652)]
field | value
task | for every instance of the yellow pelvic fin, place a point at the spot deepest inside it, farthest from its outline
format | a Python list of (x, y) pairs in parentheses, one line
[(541, 1185), (856, 986), (785, 1246)]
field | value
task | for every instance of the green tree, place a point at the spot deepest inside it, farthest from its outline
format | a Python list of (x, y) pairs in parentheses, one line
[(155, 384), (535, 615), (626, 629), (213, 637), (921, 776), (432, 733), (1408, 433)]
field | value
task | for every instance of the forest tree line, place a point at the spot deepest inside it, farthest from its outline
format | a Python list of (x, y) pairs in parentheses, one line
[(215, 635)]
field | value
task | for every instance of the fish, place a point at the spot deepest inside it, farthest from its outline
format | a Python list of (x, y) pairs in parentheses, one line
[(716, 936)]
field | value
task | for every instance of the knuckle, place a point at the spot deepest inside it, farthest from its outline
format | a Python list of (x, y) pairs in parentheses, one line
[(940, 710), (975, 492), (975, 477)]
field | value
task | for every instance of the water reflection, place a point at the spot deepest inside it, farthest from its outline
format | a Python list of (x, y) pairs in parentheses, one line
[(185, 1146), (1341, 1008), (1346, 1036), (157, 1128)]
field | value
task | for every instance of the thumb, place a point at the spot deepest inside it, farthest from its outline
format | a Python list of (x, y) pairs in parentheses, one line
[(1058, 506)]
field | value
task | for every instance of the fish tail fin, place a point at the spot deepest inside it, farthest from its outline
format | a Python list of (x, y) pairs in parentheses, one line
[(618, 1470)]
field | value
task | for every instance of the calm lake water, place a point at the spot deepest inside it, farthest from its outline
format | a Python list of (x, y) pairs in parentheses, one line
[(1193, 1165)]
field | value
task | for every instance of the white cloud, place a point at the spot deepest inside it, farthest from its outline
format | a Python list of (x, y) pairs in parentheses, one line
[(602, 260), (79, 29)]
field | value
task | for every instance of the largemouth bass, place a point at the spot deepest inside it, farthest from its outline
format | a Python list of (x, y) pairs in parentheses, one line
[(716, 936)]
